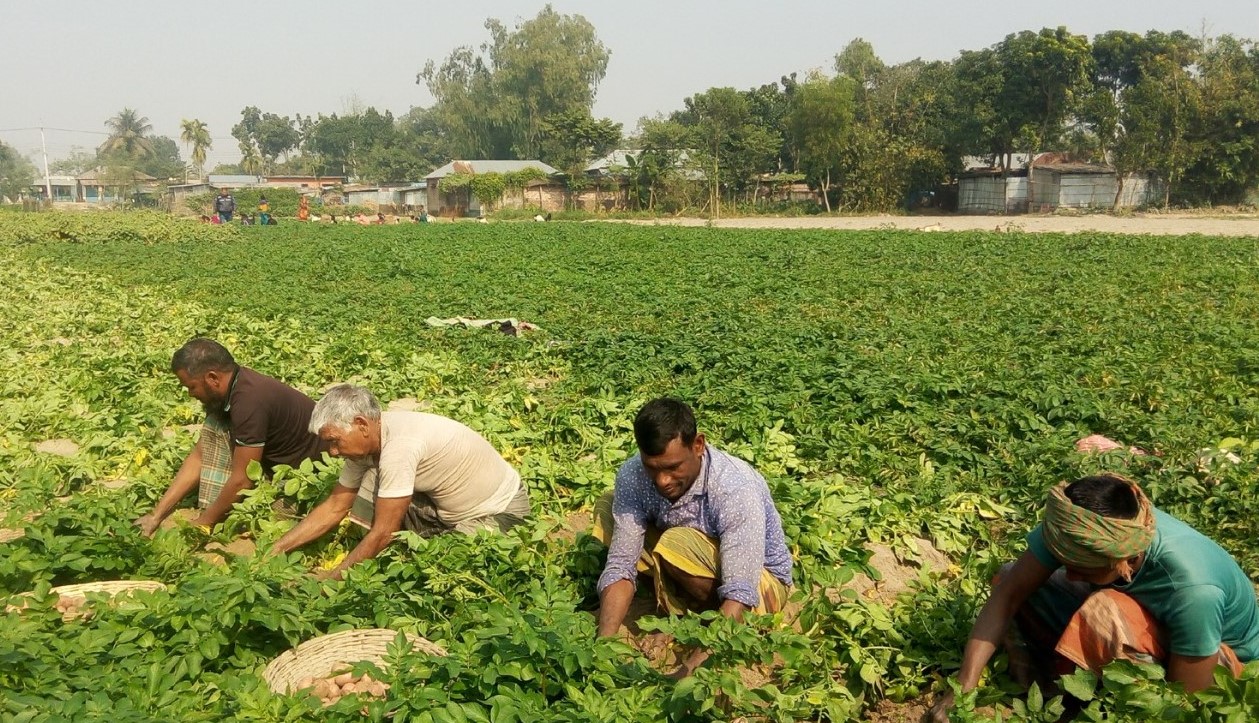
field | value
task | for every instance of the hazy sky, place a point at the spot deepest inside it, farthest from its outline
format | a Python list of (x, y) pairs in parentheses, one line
[(70, 65)]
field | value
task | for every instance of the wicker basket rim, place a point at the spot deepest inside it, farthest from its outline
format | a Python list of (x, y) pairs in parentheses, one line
[(325, 654), (112, 587)]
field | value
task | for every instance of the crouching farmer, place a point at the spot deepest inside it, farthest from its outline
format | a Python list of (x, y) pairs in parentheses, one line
[(698, 521), (410, 471), (1107, 576), (248, 417)]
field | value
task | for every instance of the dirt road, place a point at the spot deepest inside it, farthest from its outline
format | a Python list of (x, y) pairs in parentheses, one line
[(1156, 224)]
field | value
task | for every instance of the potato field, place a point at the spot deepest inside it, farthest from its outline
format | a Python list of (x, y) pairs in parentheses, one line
[(907, 395)]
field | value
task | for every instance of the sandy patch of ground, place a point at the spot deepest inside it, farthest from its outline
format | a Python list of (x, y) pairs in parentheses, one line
[(58, 447), (908, 712), (574, 522), (897, 573), (186, 514), (1153, 224), (216, 553)]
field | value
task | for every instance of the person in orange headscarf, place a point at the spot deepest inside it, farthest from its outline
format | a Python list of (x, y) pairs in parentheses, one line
[(303, 209), (1108, 576)]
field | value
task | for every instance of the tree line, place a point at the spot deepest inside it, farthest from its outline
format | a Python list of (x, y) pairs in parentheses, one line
[(867, 135)]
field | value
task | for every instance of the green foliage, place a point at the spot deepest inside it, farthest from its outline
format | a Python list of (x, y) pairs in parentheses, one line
[(890, 385), (76, 162), (128, 135), (497, 104), (16, 174), (283, 201), (264, 137), (164, 162), (571, 140), (488, 187), (196, 135), (820, 124)]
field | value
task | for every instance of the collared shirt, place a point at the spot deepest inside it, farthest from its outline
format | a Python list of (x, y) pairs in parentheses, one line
[(729, 501)]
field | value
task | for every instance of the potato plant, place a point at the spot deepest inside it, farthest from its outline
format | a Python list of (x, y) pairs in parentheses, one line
[(891, 386)]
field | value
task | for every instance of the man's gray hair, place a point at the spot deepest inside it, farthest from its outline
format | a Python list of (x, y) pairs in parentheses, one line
[(340, 405)]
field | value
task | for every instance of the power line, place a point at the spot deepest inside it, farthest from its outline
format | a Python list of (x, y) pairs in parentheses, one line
[(48, 128)]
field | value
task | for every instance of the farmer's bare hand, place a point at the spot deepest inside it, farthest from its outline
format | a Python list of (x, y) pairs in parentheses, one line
[(333, 574), (147, 524), (203, 524), (682, 671), (655, 645), (939, 712)]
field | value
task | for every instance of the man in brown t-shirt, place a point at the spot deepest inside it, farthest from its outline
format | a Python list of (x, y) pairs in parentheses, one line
[(249, 417)]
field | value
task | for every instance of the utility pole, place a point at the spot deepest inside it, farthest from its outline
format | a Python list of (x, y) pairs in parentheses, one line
[(47, 179)]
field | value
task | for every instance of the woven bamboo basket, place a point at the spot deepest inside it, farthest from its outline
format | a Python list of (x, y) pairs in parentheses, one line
[(320, 657), (111, 588), (9, 534)]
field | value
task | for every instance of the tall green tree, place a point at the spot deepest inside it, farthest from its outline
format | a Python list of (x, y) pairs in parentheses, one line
[(1019, 94), (1159, 106), (251, 161), (1225, 165), (128, 135), (17, 174), (79, 160), (495, 103), (654, 170), (270, 135), (734, 148), (901, 139), (820, 126), (1045, 74), (196, 135), (164, 162), (769, 105), (364, 145), (571, 140)]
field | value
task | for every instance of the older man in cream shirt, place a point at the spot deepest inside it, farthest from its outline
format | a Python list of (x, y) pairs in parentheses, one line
[(407, 471)]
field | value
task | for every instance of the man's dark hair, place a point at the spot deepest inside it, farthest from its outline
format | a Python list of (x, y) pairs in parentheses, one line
[(1106, 494), (202, 355), (661, 421)]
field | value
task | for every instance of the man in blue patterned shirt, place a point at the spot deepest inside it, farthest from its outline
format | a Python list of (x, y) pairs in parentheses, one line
[(700, 522)]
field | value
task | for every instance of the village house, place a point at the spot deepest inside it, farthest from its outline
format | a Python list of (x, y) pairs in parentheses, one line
[(548, 195)]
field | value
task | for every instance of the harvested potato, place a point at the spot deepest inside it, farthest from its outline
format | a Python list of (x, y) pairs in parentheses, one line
[(331, 689)]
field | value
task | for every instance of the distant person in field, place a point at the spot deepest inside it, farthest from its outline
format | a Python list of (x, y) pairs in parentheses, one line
[(224, 205), (406, 471), (264, 211), (698, 521), (303, 209), (1108, 576), (248, 417)]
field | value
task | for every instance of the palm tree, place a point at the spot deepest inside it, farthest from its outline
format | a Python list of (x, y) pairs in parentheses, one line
[(196, 135), (128, 135), (250, 161)]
